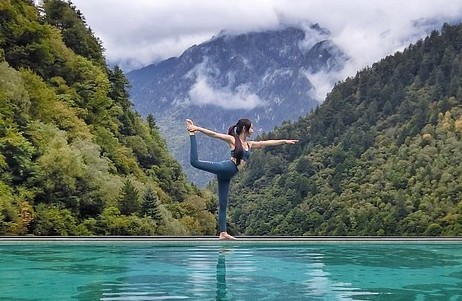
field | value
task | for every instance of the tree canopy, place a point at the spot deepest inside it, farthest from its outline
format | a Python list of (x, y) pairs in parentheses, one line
[(75, 158), (381, 156)]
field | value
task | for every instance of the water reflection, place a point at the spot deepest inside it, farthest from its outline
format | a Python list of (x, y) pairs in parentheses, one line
[(278, 273), (232, 272), (222, 290)]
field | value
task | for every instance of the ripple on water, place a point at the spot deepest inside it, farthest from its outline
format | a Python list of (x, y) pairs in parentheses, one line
[(310, 272)]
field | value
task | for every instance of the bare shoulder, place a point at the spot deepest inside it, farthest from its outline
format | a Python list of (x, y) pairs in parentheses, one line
[(254, 144), (226, 138)]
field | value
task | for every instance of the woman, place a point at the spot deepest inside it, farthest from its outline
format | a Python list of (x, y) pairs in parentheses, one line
[(225, 170)]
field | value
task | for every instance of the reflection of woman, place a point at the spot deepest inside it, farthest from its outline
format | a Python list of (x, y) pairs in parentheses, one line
[(225, 170), (222, 290)]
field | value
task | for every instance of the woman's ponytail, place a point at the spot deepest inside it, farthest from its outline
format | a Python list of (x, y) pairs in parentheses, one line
[(232, 130)]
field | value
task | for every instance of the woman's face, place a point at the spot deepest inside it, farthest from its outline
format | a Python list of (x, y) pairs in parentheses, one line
[(250, 131)]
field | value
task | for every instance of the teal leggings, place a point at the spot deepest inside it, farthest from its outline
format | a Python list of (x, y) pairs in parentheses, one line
[(224, 170)]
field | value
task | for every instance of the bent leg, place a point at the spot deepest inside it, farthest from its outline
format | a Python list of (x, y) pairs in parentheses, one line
[(213, 167), (193, 158)]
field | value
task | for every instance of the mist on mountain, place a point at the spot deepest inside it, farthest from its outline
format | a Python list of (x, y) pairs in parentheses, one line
[(270, 77)]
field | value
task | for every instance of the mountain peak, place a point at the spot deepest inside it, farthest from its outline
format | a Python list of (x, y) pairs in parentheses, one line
[(265, 75)]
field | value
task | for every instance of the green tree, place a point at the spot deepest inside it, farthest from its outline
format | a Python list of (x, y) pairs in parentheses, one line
[(150, 205), (76, 34), (111, 222), (119, 93), (129, 199), (52, 220), (152, 122), (389, 168), (69, 137)]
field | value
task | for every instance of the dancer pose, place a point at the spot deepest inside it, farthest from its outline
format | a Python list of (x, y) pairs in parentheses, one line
[(225, 170)]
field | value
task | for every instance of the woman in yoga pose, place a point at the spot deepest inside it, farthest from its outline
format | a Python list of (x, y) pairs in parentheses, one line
[(225, 170)]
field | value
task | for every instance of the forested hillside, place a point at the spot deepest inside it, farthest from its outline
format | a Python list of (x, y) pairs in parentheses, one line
[(381, 156), (75, 158)]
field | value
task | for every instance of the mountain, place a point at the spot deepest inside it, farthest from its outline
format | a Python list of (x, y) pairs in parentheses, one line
[(264, 76), (381, 156)]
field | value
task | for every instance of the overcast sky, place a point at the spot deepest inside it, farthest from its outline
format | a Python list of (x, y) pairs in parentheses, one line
[(137, 33), (145, 31)]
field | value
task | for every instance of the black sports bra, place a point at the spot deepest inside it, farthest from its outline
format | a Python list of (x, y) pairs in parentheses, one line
[(246, 155)]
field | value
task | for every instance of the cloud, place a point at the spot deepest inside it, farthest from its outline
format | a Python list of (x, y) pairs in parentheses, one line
[(323, 83), (312, 36), (203, 93), (145, 31), (137, 33)]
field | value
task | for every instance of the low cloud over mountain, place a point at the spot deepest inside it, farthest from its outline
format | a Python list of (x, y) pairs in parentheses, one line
[(268, 76)]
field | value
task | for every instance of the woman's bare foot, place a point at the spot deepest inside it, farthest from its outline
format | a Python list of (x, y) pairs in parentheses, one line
[(189, 127), (225, 235)]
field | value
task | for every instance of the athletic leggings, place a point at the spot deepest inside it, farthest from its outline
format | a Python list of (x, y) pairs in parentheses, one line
[(224, 170)]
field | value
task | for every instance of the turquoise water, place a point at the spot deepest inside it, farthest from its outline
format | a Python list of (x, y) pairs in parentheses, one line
[(148, 271)]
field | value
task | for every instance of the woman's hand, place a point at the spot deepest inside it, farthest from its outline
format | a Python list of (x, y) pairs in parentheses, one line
[(192, 129), (190, 126), (290, 141)]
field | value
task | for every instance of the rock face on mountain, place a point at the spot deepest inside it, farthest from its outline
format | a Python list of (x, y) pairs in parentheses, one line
[(268, 77)]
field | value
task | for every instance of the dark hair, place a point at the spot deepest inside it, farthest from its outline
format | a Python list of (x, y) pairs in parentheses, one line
[(234, 131)]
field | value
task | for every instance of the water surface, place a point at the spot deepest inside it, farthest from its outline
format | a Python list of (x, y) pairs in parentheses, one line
[(230, 271)]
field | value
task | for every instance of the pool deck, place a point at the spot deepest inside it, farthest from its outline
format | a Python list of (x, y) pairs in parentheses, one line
[(240, 239)]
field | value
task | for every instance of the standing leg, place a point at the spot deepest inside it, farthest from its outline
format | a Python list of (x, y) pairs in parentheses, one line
[(223, 193)]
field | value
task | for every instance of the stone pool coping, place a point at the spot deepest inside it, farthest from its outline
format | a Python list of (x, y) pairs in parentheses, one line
[(188, 240)]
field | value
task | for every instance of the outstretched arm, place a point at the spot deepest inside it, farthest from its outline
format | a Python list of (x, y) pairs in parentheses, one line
[(193, 128), (257, 144)]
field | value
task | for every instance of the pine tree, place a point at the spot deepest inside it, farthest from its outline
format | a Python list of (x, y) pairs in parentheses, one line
[(150, 205), (76, 34), (151, 120), (129, 199), (119, 93)]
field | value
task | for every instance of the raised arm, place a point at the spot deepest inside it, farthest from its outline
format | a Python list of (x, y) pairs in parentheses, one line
[(257, 144), (225, 137)]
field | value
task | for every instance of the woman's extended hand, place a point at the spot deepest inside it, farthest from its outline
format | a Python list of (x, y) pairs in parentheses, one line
[(291, 141)]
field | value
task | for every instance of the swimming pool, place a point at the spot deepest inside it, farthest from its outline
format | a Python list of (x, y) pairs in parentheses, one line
[(248, 269)]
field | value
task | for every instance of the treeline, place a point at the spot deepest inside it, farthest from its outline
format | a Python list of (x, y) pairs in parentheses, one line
[(381, 156), (75, 158)]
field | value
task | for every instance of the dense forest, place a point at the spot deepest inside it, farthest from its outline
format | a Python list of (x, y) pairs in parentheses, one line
[(381, 156), (75, 158)]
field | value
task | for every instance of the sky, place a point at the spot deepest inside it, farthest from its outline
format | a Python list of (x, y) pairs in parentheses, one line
[(138, 33)]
